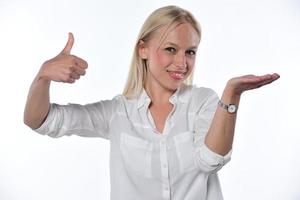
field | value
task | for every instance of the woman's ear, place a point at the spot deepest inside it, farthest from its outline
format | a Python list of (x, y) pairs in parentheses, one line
[(143, 49)]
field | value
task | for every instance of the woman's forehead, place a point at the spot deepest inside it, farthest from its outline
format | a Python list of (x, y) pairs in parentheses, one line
[(181, 34)]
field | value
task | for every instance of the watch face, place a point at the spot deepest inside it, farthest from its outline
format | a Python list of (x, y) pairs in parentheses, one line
[(231, 108)]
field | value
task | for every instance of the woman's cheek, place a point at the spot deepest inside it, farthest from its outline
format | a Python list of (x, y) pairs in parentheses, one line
[(163, 59), (191, 64)]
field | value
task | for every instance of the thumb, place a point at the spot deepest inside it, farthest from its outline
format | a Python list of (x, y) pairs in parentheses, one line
[(69, 45)]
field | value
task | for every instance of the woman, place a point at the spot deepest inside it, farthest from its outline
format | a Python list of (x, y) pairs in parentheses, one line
[(167, 138)]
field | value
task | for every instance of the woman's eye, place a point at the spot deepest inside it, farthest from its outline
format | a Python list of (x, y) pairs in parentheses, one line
[(170, 49), (191, 52)]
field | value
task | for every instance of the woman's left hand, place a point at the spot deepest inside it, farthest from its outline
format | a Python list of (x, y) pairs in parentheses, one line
[(238, 85)]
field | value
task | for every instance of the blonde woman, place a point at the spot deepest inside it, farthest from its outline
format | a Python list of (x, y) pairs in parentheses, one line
[(168, 139)]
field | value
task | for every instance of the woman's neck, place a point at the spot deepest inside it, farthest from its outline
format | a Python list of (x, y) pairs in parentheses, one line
[(158, 94)]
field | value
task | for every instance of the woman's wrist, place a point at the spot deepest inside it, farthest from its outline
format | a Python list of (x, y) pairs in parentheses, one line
[(41, 76), (230, 96)]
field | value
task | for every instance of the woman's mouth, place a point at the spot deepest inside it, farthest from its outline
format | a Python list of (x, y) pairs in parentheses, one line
[(176, 75)]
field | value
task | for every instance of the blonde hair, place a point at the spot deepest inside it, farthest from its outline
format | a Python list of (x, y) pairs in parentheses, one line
[(161, 17)]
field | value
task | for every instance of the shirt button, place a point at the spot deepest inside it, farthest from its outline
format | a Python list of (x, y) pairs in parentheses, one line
[(162, 142), (165, 166), (166, 188)]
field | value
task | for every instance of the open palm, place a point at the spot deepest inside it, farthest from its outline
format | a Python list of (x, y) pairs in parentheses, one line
[(248, 82)]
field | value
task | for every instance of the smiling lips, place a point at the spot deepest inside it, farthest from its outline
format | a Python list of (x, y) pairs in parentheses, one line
[(176, 75)]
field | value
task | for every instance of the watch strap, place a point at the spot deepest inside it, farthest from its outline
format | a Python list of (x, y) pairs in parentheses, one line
[(223, 105), (228, 107)]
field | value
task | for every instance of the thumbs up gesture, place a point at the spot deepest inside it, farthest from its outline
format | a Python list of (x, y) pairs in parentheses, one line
[(64, 67)]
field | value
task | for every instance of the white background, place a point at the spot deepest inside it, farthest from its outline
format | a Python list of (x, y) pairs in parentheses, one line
[(239, 37)]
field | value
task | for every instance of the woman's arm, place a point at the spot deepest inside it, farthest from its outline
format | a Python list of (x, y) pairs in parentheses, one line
[(221, 132), (62, 68), (38, 103)]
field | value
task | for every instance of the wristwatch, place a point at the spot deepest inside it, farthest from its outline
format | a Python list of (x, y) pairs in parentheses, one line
[(231, 108)]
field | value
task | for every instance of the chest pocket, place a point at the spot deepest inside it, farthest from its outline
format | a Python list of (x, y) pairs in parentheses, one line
[(137, 154), (185, 151)]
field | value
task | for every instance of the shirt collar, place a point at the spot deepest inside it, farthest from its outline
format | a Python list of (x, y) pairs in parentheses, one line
[(143, 99), (181, 95)]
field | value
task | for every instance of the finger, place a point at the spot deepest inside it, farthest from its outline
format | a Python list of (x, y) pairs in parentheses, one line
[(78, 70), (70, 80), (68, 74), (265, 77), (74, 75), (250, 79), (265, 82), (275, 76), (257, 79), (67, 49), (269, 77), (80, 62)]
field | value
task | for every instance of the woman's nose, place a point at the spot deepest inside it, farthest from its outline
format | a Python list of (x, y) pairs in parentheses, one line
[(180, 61)]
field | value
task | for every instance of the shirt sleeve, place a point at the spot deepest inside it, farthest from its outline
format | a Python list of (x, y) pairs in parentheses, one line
[(206, 159), (90, 120)]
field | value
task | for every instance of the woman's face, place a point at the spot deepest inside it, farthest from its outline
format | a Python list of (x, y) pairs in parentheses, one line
[(172, 60)]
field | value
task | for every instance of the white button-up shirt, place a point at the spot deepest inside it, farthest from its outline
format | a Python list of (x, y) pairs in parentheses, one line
[(144, 164)]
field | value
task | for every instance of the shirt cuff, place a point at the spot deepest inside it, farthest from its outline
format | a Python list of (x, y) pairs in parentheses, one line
[(211, 161), (44, 128)]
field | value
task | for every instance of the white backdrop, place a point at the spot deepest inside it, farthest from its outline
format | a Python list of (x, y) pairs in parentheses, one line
[(239, 37)]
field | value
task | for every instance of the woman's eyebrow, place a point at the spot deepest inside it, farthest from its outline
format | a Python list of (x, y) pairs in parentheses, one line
[(173, 44)]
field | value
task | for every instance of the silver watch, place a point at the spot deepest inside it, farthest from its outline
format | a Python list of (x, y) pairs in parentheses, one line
[(231, 108)]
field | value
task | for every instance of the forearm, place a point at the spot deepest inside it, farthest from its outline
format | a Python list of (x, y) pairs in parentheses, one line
[(38, 102), (221, 132)]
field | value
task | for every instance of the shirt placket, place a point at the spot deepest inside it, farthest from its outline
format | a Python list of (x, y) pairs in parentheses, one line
[(164, 169), (164, 147)]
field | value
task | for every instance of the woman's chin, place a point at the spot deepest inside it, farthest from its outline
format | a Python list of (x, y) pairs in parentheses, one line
[(174, 86)]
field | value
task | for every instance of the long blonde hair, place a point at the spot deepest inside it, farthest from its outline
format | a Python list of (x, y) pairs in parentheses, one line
[(161, 17)]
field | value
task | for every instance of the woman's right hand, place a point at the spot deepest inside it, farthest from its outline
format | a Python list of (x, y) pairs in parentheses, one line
[(64, 67)]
